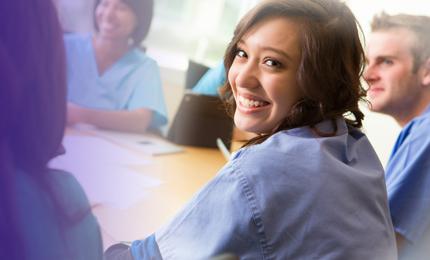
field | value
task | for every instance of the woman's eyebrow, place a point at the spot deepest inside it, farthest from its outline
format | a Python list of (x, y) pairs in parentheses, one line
[(269, 48)]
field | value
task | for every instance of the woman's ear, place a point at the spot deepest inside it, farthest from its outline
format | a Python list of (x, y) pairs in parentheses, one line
[(425, 79)]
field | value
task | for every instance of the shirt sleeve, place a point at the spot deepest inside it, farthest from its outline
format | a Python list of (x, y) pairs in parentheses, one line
[(217, 220), (211, 81), (81, 73), (149, 92), (71, 53), (146, 249)]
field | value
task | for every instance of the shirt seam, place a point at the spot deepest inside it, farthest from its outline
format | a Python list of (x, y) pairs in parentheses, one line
[(255, 212)]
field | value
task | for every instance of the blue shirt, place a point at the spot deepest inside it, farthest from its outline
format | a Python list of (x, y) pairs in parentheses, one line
[(131, 83), (408, 179), (294, 196), (56, 220), (211, 81)]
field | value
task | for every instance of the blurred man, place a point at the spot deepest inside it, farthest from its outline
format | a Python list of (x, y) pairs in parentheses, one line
[(398, 73)]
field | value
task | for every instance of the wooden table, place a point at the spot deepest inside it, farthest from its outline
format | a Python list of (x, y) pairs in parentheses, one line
[(182, 175)]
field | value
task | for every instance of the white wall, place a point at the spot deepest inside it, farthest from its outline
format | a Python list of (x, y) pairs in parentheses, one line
[(382, 132)]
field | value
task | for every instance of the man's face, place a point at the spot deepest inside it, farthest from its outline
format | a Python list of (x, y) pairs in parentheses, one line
[(393, 86)]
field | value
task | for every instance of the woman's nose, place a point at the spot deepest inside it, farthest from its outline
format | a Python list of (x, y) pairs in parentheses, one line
[(247, 76), (110, 11)]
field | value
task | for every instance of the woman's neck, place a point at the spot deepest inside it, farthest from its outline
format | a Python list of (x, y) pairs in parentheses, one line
[(108, 51), (111, 46)]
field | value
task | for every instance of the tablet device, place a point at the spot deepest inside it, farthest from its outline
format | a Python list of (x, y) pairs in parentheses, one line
[(200, 120)]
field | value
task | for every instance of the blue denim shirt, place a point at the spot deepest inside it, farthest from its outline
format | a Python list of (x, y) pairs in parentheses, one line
[(295, 196)]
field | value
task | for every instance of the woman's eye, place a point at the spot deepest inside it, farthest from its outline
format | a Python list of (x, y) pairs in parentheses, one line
[(272, 63), (122, 7), (241, 54)]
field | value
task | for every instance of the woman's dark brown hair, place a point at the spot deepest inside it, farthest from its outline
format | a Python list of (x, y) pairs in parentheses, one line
[(32, 109), (330, 67)]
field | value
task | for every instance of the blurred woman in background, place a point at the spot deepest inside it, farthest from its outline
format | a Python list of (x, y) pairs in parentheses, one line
[(112, 83)]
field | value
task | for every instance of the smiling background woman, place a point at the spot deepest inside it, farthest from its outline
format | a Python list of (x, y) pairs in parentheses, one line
[(112, 83), (309, 186)]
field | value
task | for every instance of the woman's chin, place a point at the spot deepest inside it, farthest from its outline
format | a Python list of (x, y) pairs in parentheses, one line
[(246, 126)]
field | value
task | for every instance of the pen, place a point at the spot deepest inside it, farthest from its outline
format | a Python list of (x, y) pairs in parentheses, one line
[(223, 148)]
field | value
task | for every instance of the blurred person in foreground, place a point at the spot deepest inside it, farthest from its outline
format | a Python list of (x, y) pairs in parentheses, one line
[(44, 213)]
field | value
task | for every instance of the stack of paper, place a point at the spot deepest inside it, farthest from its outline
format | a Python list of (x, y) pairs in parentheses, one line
[(103, 169)]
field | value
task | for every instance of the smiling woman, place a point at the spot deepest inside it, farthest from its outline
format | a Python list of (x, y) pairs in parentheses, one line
[(263, 75), (310, 185), (112, 83)]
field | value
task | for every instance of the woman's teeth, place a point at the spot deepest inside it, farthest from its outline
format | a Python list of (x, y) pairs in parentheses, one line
[(251, 103)]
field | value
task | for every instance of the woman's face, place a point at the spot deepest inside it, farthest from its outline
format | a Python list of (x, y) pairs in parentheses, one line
[(115, 19), (263, 75)]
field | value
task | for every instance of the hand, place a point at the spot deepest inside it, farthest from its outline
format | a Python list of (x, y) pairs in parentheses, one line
[(75, 114)]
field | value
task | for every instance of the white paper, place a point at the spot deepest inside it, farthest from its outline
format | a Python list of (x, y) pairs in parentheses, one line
[(103, 170), (146, 143)]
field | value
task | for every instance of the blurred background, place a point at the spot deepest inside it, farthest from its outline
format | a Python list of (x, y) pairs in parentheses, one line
[(200, 30)]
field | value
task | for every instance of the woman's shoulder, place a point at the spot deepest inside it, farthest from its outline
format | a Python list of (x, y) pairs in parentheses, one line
[(57, 189), (55, 204), (77, 45), (60, 181), (64, 180), (59, 186), (68, 191), (277, 146), (278, 156), (144, 66), (292, 152), (76, 38), (140, 55)]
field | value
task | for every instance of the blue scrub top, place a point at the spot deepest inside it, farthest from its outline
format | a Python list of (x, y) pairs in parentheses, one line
[(294, 196), (131, 83), (211, 81), (408, 179)]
